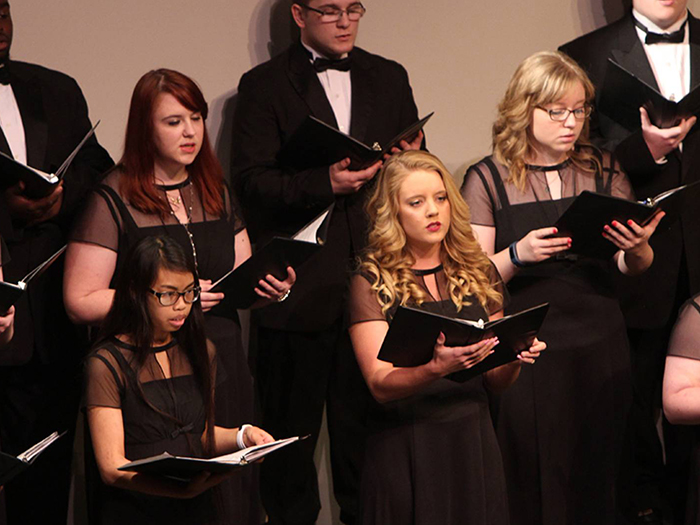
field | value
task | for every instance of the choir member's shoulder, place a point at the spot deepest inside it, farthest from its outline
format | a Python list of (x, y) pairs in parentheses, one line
[(599, 39), (47, 78)]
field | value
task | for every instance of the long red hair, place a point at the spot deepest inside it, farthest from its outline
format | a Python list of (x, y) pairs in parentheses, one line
[(139, 156)]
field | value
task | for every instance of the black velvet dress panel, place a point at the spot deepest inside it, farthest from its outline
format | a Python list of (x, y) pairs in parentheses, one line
[(561, 424), (685, 342), (432, 457), (110, 221)]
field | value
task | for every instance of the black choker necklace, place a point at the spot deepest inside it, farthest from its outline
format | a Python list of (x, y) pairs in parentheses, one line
[(429, 271), (555, 167)]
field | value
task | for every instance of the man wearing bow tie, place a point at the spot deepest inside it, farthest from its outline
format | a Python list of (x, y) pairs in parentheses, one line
[(659, 42), (301, 342), (43, 117)]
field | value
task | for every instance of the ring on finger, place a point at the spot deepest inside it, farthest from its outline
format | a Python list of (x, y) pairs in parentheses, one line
[(284, 296)]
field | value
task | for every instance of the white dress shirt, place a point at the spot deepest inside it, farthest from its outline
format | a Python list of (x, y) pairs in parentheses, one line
[(669, 62), (11, 124), (338, 88)]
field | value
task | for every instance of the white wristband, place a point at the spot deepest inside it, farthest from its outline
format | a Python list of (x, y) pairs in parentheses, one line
[(239, 437)]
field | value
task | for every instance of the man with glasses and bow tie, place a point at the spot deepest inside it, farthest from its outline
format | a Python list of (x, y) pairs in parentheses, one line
[(659, 42), (304, 354)]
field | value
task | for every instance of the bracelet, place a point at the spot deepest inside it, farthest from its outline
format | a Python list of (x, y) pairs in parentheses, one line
[(513, 251), (239, 437), (282, 298)]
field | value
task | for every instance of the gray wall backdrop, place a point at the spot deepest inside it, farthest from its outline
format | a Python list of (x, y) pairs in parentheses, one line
[(459, 53)]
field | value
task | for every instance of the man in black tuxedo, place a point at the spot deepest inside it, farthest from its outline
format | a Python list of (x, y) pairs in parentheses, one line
[(304, 354), (659, 42), (43, 117)]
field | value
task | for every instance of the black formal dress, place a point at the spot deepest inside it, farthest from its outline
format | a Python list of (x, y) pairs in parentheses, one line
[(113, 223), (432, 457), (650, 301), (304, 354), (175, 427), (685, 342), (561, 424), (39, 369)]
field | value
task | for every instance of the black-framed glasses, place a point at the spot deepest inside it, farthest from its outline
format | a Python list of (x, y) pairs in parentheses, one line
[(560, 115), (170, 298), (332, 14)]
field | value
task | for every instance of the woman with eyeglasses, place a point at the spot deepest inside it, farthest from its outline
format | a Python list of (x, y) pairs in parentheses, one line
[(150, 389), (561, 425), (169, 182)]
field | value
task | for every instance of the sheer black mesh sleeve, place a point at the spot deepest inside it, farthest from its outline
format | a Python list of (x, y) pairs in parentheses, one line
[(104, 382), (685, 339), (363, 301)]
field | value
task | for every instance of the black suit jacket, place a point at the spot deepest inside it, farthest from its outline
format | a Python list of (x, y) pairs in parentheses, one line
[(274, 99), (55, 118), (647, 300)]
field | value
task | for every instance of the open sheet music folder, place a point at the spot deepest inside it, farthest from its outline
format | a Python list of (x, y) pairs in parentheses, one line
[(37, 183), (185, 468), (10, 293), (585, 218), (315, 144), (413, 333), (273, 258), (11, 466), (623, 94)]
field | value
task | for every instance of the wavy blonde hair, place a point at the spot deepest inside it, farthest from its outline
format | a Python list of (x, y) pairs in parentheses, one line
[(388, 259), (542, 78)]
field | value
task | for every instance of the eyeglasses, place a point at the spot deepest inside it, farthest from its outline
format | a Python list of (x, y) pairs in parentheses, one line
[(333, 14), (170, 298), (560, 115)]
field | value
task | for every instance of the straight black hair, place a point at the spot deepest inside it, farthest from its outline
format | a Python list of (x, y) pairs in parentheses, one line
[(129, 317)]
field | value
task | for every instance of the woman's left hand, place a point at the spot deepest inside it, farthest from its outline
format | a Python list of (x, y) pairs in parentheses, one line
[(275, 290), (532, 353), (256, 436), (631, 238)]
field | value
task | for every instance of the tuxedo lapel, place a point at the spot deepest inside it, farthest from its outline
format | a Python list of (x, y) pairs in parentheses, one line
[(694, 43), (305, 82), (629, 53), (363, 95), (36, 130)]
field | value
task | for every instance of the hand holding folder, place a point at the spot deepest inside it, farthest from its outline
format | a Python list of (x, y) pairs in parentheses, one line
[(315, 144), (273, 259), (11, 466), (413, 333), (585, 219), (186, 468)]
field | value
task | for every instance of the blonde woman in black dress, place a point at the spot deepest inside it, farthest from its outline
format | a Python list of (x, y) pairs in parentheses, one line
[(433, 455), (560, 426)]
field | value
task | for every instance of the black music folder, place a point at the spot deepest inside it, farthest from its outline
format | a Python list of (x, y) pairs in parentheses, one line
[(11, 466), (185, 468), (10, 293), (584, 220), (273, 258), (315, 144), (37, 183), (623, 94), (413, 333)]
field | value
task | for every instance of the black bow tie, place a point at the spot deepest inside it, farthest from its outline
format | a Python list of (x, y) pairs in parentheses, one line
[(662, 38), (4, 75), (323, 64)]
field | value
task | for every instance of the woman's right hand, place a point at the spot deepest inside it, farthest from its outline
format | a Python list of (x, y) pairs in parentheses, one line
[(6, 319), (449, 359), (209, 299), (538, 246)]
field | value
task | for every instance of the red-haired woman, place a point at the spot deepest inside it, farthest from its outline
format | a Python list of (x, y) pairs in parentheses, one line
[(170, 182)]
